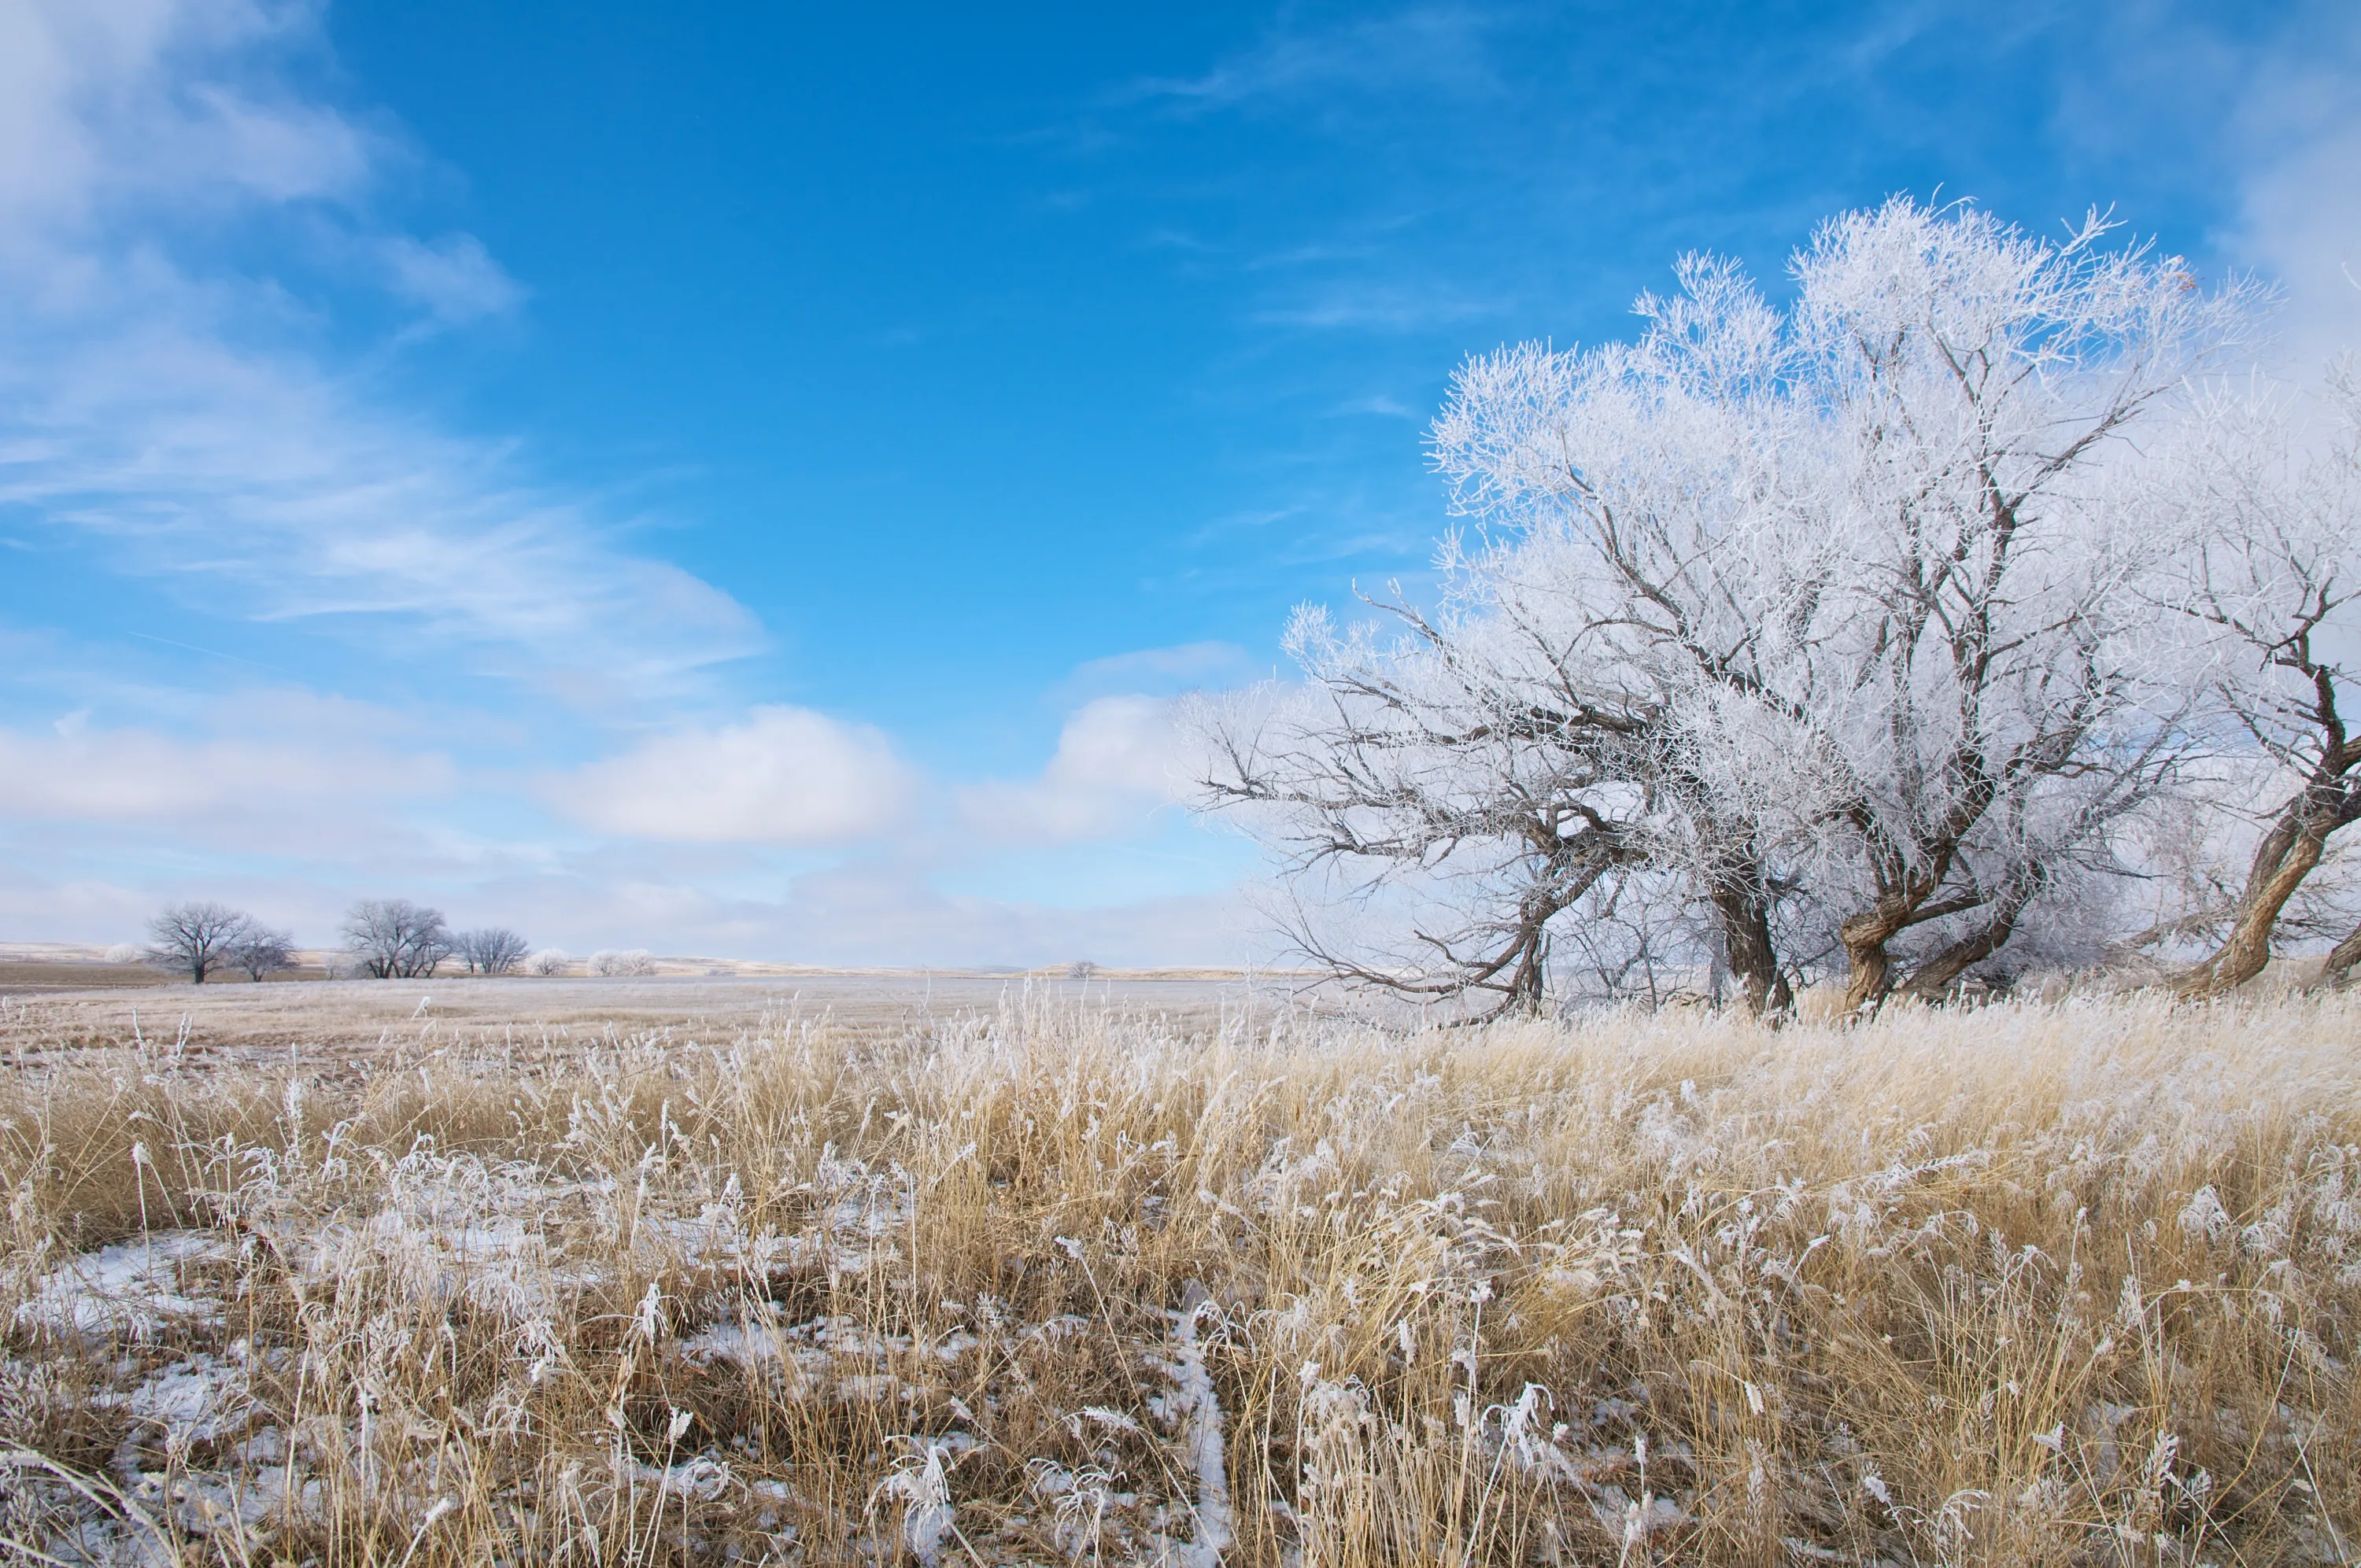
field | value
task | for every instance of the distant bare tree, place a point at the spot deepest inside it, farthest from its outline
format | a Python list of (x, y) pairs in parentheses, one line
[(627, 964), (550, 961), (493, 949), (392, 938), (195, 939), (261, 952)]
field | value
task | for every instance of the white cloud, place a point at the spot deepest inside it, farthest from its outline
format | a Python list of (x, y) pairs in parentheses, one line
[(1415, 49), (454, 278), (171, 408), (1358, 305), (265, 480), (786, 776), (865, 912), (80, 774), (101, 97), (1186, 667), (2301, 226), (1118, 759), (864, 915), (2264, 108)]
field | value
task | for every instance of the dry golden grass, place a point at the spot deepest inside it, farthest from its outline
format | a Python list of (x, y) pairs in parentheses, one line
[(2025, 1285)]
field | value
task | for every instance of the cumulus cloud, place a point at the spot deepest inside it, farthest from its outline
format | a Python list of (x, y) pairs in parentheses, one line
[(1118, 759), (787, 775)]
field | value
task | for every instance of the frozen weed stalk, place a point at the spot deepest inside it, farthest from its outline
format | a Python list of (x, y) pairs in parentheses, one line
[(2022, 1285)]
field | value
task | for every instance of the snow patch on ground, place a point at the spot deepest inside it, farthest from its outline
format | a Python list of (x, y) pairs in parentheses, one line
[(1193, 1414), (133, 1289), (196, 1400)]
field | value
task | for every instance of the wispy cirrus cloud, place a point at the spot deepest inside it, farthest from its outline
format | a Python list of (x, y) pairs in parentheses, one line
[(1378, 305), (269, 487), (454, 278), (180, 102), (177, 413), (1187, 666), (1417, 47)]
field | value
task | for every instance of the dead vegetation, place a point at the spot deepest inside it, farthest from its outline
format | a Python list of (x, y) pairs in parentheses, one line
[(1051, 1284)]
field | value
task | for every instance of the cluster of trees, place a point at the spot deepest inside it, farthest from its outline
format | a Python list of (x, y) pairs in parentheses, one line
[(200, 939), (392, 938), (388, 939), (1960, 617)]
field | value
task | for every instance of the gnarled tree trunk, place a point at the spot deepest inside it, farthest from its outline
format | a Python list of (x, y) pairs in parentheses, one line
[(1933, 979), (2287, 855), (2341, 959), (1868, 966)]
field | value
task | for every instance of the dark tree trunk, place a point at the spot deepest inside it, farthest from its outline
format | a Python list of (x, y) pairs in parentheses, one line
[(1743, 910), (1933, 979), (1527, 985)]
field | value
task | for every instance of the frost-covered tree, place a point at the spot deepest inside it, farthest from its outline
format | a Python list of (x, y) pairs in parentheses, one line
[(1464, 778), (1817, 619), (2263, 494), (1647, 508), (493, 949), (195, 938), (261, 952), (392, 938), (1993, 707)]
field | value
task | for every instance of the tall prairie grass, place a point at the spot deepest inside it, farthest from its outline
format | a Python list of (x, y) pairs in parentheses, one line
[(2030, 1284)]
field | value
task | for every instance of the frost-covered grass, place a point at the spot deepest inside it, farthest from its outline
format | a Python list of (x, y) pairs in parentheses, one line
[(2028, 1285)]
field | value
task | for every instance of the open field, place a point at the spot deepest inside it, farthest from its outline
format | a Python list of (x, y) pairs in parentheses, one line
[(346, 1027), (689, 1271)]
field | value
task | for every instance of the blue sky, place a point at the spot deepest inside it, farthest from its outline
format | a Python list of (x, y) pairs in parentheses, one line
[(748, 480)]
